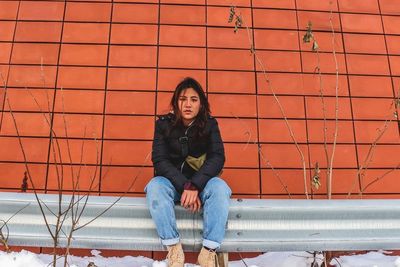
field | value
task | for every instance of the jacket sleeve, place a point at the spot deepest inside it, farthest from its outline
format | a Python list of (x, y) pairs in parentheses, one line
[(162, 164), (215, 158)]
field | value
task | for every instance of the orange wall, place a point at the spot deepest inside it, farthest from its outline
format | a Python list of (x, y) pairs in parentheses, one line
[(112, 66)]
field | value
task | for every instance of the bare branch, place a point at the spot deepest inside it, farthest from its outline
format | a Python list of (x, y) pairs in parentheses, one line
[(379, 178), (330, 168), (120, 197), (248, 132), (4, 237), (27, 167), (368, 158), (267, 162), (261, 64)]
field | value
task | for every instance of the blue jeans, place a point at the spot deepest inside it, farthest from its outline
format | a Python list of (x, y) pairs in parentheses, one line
[(161, 196)]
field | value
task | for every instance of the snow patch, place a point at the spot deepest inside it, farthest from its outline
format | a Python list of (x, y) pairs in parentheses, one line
[(271, 259), (397, 262), (159, 264), (370, 259)]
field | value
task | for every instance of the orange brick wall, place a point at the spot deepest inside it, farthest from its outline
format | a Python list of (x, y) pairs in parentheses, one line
[(111, 66)]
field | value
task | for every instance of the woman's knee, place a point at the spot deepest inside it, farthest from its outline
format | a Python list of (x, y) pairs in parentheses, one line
[(157, 185), (218, 186), (159, 193)]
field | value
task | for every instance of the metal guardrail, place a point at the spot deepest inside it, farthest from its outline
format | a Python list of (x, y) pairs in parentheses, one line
[(254, 225)]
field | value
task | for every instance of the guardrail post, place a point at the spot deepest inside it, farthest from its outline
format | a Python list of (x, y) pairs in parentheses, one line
[(222, 258)]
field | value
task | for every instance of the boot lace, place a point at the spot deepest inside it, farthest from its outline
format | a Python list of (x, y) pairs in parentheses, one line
[(212, 258)]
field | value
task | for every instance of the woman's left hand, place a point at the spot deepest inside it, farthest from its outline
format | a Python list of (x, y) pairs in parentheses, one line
[(188, 198), (195, 207)]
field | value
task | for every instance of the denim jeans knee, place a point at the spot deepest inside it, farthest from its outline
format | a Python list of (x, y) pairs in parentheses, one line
[(161, 196), (218, 187), (215, 198)]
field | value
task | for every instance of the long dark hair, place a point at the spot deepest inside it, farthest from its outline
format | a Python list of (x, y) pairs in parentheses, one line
[(204, 112)]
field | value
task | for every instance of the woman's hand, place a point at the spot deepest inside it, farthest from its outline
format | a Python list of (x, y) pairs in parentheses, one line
[(188, 198), (195, 207)]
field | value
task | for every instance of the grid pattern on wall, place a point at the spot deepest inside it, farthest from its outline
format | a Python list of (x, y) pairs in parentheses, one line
[(104, 69)]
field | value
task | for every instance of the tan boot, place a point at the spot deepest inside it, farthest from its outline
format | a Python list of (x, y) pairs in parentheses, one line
[(207, 258), (175, 257)]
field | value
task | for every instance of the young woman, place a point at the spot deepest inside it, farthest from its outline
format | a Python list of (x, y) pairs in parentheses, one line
[(188, 155)]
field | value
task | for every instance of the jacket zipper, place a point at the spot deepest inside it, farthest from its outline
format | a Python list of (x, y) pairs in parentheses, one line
[(183, 163)]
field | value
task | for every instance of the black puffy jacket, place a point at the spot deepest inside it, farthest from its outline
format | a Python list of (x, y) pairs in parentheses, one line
[(168, 153)]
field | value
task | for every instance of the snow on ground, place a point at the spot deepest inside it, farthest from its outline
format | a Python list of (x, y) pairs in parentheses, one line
[(270, 259), (371, 259)]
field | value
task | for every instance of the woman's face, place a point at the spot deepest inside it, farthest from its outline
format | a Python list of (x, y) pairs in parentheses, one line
[(189, 105)]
